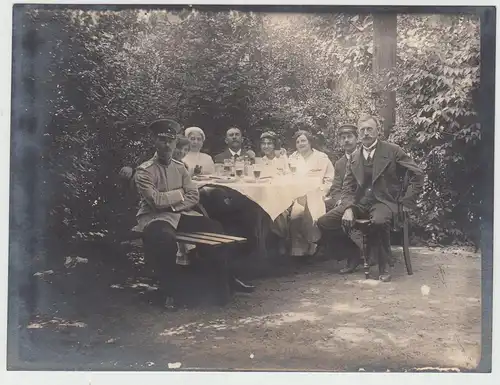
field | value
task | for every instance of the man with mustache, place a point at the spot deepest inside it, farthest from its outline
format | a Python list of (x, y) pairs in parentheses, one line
[(235, 211), (370, 191), (234, 141), (345, 246), (168, 197)]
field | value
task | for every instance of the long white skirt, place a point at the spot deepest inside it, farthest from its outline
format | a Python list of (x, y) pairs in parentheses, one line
[(303, 232)]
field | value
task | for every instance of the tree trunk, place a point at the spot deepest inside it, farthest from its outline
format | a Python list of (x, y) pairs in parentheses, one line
[(384, 66)]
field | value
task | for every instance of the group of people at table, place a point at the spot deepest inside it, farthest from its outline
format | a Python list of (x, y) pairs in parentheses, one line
[(364, 183)]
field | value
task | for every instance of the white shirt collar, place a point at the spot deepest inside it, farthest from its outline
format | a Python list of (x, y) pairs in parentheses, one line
[(369, 151), (235, 153), (372, 147), (348, 156)]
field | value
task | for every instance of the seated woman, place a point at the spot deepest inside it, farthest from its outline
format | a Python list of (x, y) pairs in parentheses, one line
[(197, 162), (276, 163), (274, 157), (309, 162)]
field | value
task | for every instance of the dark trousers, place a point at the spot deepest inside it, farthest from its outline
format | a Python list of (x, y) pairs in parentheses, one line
[(160, 252), (379, 244), (346, 246)]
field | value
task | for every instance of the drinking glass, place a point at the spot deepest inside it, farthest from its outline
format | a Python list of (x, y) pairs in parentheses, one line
[(239, 167), (228, 165), (256, 171), (219, 169)]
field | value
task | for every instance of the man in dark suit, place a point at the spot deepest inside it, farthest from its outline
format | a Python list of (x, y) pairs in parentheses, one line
[(234, 141), (348, 137), (345, 246), (235, 211), (371, 188)]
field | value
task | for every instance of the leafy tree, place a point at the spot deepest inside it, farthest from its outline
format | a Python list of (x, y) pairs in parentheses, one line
[(107, 74)]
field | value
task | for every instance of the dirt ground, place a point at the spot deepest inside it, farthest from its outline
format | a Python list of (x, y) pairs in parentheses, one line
[(308, 318)]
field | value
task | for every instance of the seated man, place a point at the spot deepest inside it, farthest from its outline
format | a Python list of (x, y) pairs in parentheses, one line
[(234, 141), (371, 187), (167, 199), (344, 245), (233, 210)]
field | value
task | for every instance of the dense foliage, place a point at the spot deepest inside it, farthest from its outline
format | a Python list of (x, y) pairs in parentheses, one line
[(108, 73)]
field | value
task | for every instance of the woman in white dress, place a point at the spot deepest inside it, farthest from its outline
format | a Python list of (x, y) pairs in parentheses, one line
[(274, 157), (196, 161), (311, 163), (276, 163)]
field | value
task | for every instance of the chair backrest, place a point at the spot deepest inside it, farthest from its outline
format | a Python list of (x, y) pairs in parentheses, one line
[(401, 216)]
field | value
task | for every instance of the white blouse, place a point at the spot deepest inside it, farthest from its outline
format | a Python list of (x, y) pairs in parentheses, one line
[(276, 164), (193, 159), (316, 164)]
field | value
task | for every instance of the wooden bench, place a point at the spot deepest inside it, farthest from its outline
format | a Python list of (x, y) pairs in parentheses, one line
[(198, 238)]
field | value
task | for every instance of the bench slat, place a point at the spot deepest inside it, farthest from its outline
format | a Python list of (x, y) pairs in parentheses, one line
[(213, 237), (222, 236), (194, 240), (210, 239)]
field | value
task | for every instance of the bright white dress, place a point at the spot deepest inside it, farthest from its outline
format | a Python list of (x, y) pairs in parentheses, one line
[(303, 231)]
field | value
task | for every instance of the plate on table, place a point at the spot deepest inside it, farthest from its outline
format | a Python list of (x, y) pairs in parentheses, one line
[(226, 179), (249, 179), (202, 178)]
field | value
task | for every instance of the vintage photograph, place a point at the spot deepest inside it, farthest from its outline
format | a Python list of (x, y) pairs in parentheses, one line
[(251, 188)]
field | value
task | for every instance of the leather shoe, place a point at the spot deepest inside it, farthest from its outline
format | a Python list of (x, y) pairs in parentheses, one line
[(386, 277), (384, 273), (242, 287)]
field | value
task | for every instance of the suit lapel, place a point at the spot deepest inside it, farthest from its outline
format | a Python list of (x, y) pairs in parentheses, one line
[(342, 168), (357, 166), (380, 161)]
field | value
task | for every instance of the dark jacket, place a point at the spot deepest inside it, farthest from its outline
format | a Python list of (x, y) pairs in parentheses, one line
[(335, 193), (390, 163), (224, 155)]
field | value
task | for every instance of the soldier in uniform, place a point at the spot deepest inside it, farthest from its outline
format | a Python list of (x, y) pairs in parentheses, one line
[(167, 199)]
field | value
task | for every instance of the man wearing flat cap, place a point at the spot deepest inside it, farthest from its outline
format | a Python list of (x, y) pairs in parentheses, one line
[(346, 246), (348, 137), (167, 199)]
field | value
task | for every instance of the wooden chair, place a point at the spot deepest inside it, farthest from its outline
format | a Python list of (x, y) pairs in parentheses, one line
[(401, 223)]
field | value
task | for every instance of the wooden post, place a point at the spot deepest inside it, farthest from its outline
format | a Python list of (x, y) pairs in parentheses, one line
[(384, 66)]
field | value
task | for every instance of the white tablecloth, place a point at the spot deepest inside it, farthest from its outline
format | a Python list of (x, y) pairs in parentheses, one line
[(277, 194)]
